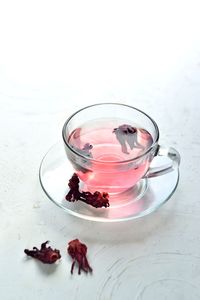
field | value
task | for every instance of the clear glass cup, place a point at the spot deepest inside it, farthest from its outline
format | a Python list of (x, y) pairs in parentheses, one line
[(101, 162)]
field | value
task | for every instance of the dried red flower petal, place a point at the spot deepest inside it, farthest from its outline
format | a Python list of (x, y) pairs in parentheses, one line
[(73, 194), (45, 254), (96, 199), (78, 252), (126, 134)]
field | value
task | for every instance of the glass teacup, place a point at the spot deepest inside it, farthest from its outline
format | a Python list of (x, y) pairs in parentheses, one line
[(111, 147)]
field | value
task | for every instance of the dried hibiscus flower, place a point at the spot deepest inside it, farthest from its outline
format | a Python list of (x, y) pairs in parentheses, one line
[(96, 199), (45, 254), (127, 134), (78, 252)]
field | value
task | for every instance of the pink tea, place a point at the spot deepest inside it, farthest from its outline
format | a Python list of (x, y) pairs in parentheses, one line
[(113, 154)]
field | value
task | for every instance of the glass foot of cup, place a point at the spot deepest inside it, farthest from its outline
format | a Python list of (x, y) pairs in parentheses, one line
[(132, 194), (145, 197)]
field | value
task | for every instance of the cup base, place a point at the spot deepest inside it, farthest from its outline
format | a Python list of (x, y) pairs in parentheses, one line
[(124, 197)]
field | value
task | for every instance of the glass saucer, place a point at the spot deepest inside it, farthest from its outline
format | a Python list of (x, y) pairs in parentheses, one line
[(145, 197)]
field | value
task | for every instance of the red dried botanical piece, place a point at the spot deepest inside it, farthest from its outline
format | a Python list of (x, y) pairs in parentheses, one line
[(96, 199), (78, 252), (46, 254), (73, 194)]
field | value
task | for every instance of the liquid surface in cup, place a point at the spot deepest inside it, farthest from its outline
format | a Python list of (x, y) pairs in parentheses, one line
[(108, 143)]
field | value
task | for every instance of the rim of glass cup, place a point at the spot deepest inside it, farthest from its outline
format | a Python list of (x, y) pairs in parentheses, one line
[(110, 162)]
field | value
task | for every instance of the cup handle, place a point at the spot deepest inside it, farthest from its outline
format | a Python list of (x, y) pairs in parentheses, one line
[(172, 154)]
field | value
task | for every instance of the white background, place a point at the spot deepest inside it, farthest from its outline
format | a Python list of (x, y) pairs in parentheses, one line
[(56, 57)]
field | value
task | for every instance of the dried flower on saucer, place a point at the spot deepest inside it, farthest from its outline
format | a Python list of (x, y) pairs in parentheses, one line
[(95, 199), (127, 134)]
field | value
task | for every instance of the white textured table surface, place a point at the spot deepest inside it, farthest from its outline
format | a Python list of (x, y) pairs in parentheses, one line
[(56, 57)]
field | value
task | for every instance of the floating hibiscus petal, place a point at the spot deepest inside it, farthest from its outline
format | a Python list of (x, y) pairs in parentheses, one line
[(127, 134), (96, 199)]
